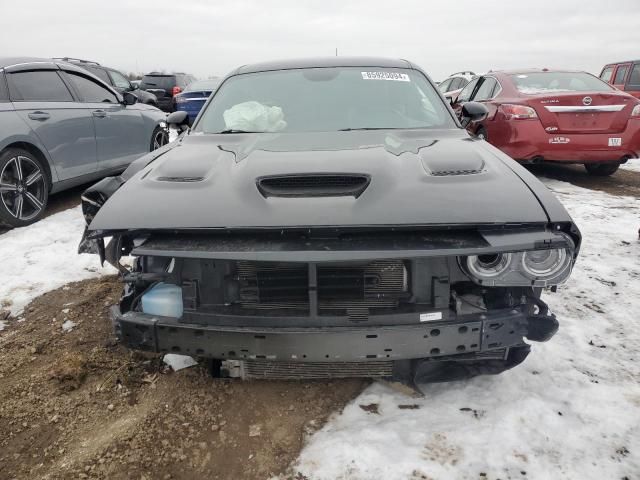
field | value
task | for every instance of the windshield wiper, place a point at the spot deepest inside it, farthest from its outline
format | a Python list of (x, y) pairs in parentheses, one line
[(233, 130)]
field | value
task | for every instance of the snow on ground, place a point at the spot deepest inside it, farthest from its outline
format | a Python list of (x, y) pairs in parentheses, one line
[(42, 257), (632, 165), (570, 411), (173, 134), (67, 326)]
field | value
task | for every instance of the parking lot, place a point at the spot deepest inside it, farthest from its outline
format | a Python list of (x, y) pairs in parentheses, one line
[(320, 240)]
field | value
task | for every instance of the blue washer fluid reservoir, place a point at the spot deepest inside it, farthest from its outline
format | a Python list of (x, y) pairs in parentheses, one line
[(163, 299)]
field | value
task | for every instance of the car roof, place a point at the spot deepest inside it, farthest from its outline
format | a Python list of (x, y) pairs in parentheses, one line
[(10, 61), (207, 83), (323, 62), (618, 63), (533, 70), (6, 62)]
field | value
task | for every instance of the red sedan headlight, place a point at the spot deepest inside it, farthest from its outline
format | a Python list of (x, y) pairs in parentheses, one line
[(517, 112)]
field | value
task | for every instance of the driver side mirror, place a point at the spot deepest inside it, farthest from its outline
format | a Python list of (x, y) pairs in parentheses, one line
[(178, 120), (129, 98), (472, 112)]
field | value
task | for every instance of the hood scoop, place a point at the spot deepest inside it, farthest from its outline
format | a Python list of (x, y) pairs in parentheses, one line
[(314, 185), (442, 161), (180, 179), (452, 173)]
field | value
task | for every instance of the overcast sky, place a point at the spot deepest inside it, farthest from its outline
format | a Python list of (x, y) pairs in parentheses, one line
[(212, 37)]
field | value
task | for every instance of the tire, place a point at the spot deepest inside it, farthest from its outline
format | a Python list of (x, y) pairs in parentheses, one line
[(159, 138), (481, 133), (601, 169), (24, 188)]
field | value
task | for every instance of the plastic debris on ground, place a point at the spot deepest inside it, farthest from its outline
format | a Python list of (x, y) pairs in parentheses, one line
[(178, 362)]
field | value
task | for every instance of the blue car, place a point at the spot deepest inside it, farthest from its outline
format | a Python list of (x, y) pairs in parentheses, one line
[(194, 96)]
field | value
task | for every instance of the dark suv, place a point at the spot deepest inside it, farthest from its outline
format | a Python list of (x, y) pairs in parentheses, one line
[(113, 77), (164, 86)]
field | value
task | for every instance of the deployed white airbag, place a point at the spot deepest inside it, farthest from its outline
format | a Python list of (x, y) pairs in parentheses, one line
[(254, 117)]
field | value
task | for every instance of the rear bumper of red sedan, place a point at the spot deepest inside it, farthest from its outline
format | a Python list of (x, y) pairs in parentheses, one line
[(528, 141)]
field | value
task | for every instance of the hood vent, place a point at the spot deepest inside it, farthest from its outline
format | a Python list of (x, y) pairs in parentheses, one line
[(452, 173), (180, 179), (314, 185)]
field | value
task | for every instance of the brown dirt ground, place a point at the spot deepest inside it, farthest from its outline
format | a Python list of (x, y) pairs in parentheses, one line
[(78, 405)]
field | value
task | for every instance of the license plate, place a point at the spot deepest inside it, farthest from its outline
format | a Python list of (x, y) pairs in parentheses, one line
[(615, 142), (430, 317)]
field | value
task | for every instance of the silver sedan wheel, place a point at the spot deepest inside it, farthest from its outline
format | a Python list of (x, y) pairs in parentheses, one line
[(23, 188), (160, 139)]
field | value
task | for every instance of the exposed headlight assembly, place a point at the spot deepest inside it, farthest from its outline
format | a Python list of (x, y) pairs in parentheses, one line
[(537, 268)]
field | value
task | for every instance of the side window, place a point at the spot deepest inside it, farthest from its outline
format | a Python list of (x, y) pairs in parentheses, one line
[(466, 92), (444, 86), (606, 74), (486, 89), (90, 91), (119, 80), (621, 75), (38, 86), (456, 83), (4, 93), (100, 73), (634, 78)]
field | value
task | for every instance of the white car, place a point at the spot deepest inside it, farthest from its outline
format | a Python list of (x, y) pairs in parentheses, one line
[(452, 86)]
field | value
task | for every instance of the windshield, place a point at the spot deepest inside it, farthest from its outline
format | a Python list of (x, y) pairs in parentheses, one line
[(158, 81), (557, 82), (325, 99), (202, 85)]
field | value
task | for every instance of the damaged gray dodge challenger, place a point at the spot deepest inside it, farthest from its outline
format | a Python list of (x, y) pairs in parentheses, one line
[(332, 218)]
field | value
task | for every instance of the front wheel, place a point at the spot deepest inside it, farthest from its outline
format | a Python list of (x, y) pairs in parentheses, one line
[(159, 138), (24, 188), (601, 169)]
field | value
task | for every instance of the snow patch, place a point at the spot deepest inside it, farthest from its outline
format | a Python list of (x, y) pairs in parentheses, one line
[(632, 166), (67, 326), (173, 134), (571, 410), (42, 257), (178, 362)]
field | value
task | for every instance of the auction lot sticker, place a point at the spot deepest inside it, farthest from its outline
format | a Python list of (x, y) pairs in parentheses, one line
[(394, 76)]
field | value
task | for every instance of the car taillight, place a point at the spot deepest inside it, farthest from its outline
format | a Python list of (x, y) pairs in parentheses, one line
[(517, 112), (636, 111), (175, 90)]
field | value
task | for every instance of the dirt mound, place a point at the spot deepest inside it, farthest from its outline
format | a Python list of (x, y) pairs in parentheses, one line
[(75, 404)]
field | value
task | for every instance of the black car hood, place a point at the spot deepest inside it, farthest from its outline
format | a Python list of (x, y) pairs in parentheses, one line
[(417, 177)]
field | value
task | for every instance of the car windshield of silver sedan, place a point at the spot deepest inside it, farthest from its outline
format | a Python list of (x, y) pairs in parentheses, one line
[(325, 99)]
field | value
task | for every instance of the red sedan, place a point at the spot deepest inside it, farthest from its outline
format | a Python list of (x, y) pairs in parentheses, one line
[(558, 116)]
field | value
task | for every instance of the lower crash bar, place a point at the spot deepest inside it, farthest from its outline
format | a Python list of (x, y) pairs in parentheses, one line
[(400, 351)]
